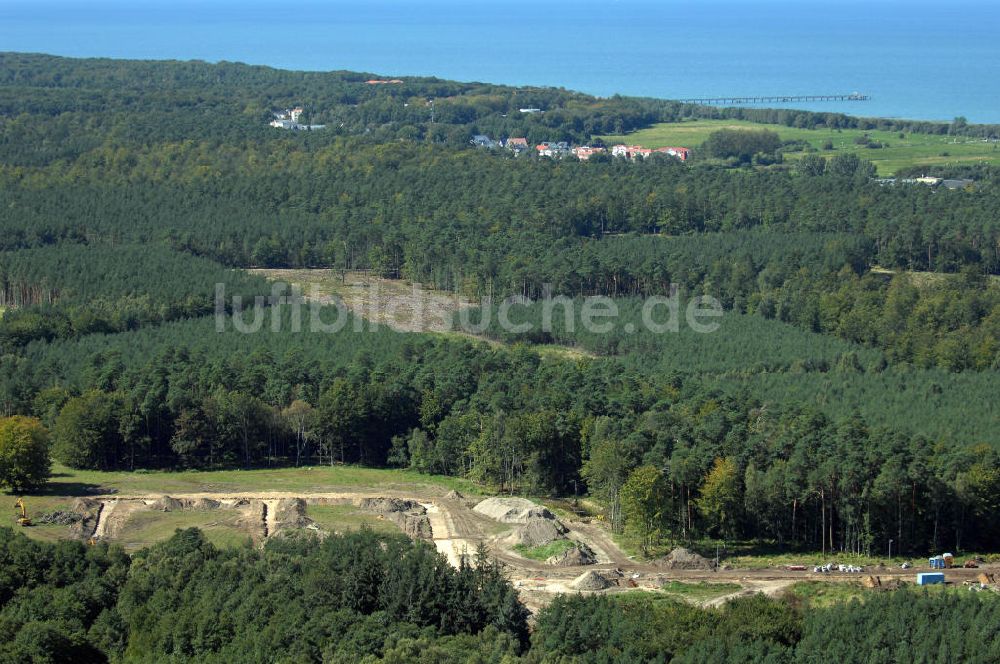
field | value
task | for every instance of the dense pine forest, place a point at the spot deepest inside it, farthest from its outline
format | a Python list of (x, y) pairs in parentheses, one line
[(847, 397), (370, 598)]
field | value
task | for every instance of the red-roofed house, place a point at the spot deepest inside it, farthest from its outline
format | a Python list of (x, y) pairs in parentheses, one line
[(517, 144), (585, 152)]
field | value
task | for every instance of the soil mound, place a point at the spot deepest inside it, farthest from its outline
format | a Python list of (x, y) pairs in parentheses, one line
[(206, 504), (454, 495), (537, 532), (388, 505), (681, 558), (417, 526), (88, 510), (581, 554), (290, 513), (409, 515), (85, 505), (166, 504), (590, 580), (512, 510)]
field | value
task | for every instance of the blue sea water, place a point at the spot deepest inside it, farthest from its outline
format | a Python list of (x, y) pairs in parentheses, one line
[(916, 58)]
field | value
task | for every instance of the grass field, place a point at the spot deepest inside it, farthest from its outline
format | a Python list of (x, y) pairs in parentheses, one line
[(145, 528), (312, 479), (698, 592), (342, 518), (67, 484), (911, 150), (818, 594)]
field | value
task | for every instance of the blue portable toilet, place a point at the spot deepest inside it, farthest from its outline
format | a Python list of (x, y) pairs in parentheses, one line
[(929, 578)]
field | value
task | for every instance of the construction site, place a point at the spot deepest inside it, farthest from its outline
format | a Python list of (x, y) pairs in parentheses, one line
[(544, 555)]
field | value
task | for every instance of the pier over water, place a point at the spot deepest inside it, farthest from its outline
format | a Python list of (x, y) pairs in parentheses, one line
[(778, 99)]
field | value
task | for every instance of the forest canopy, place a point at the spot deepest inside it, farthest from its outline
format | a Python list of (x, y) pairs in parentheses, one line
[(856, 362)]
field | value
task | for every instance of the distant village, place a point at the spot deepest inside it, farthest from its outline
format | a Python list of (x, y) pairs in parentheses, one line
[(581, 152), (289, 119)]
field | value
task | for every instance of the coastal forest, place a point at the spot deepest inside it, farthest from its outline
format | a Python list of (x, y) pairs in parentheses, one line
[(377, 598), (848, 397)]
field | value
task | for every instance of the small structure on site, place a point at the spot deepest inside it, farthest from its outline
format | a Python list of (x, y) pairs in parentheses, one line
[(930, 578)]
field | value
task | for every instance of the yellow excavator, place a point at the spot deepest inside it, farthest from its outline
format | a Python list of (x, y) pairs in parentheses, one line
[(22, 520)]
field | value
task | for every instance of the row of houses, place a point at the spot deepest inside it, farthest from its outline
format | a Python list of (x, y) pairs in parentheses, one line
[(562, 149), (634, 152)]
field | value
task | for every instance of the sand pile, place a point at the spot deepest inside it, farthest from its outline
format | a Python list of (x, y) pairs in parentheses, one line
[(206, 504), (512, 510), (681, 558), (590, 580)]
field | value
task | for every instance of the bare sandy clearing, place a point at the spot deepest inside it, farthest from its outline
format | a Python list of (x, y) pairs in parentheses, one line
[(403, 306), (397, 304)]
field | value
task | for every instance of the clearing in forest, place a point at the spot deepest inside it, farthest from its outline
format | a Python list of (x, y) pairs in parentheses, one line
[(235, 507), (401, 305)]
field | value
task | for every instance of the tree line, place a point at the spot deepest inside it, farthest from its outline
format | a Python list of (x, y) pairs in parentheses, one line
[(719, 461), (70, 290)]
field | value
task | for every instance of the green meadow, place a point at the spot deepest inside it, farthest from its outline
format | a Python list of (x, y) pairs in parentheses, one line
[(896, 153)]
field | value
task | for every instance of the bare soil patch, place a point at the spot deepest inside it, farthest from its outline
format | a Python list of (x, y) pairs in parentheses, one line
[(682, 559), (401, 305)]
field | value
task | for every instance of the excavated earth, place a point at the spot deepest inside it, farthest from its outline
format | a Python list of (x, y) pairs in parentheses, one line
[(260, 517), (457, 529)]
